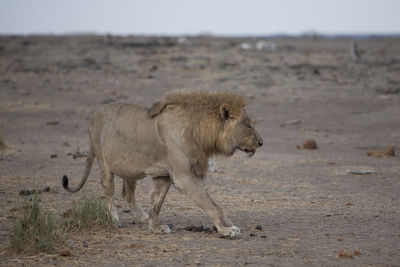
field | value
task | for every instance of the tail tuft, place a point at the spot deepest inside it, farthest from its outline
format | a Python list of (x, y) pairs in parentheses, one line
[(65, 182)]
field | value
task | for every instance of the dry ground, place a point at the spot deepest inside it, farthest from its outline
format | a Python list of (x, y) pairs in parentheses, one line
[(313, 210)]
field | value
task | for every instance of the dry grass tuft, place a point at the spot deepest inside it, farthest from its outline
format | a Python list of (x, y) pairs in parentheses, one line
[(89, 214), (34, 231)]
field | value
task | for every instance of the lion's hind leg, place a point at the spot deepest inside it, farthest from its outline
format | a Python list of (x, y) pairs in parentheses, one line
[(160, 189), (128, 193), (108, 186)]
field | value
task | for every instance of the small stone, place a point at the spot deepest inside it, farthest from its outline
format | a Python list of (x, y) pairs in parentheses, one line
[(251, 234), (25, 192), (215, 228), (263, 236), (308, 144), (170, 225), (258, 227), (53, 156), (208, 230), (46, 189), (65, 253)]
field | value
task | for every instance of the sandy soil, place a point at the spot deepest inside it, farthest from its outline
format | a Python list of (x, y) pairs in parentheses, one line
[(313, 207)]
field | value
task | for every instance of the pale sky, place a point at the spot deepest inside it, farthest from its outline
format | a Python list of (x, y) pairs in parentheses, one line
[(219, 17)]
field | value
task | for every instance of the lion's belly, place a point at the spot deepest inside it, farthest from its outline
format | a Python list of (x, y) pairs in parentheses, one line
[(134, 166), (133, 154)]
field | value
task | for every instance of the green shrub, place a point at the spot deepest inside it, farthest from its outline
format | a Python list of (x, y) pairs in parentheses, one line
[(89, 214), (34, 231)]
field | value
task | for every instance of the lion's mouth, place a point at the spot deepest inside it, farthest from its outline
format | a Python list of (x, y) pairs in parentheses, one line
[(249, 152)]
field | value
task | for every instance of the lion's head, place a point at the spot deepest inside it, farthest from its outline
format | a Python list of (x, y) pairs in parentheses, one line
[(217, 122), (238, 132)]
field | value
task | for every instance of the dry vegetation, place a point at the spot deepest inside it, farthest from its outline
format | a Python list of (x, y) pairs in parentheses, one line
[(34, 231), (88, 214)]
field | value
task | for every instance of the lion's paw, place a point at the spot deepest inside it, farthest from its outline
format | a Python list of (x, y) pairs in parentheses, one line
[(144, 218), (232, 231), (162, 229)]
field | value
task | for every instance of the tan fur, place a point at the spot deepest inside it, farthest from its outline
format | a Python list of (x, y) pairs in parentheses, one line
[(171, 142)]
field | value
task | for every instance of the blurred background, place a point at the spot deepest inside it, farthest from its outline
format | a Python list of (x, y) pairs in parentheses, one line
[(185, 17)]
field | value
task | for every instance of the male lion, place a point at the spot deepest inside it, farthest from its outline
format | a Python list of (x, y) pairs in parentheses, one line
[(171, 142)]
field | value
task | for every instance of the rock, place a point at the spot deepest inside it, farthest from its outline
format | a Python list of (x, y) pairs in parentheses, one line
[(266, 46), (107, 100), (78, 154), (65, 253), (170, 225), (388, 91), (153, 68), (67, 213), (46, 189), (246, 46), (52, 122), (251, 234), (291, 122), (258, 227), (387, 152), (207, 230), (52, 156), (308, 144), (263, 236), (361, 172), (26, 192), (184, 41), (193, 228)]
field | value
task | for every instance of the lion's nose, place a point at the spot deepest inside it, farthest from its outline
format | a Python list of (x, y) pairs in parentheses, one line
[(260, 144)]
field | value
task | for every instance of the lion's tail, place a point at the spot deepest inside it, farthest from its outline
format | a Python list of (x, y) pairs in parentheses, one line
[(89, 162)]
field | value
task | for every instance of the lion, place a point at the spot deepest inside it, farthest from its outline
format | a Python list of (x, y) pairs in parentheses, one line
[(170, 142)]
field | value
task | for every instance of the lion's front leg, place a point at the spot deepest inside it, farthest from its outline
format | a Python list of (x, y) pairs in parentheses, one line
[(160, 189), (193, 188)]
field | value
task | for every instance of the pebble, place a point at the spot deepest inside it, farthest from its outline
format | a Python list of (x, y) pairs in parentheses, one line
[(258, 227), (46, 189)]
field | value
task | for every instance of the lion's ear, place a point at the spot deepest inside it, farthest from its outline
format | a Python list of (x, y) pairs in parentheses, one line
[(226, 112), (156, 109)]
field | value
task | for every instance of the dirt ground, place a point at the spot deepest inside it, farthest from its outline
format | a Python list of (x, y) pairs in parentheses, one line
[(331, 206)]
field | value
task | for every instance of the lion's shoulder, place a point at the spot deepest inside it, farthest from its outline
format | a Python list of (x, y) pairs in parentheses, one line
[(198, 101)]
